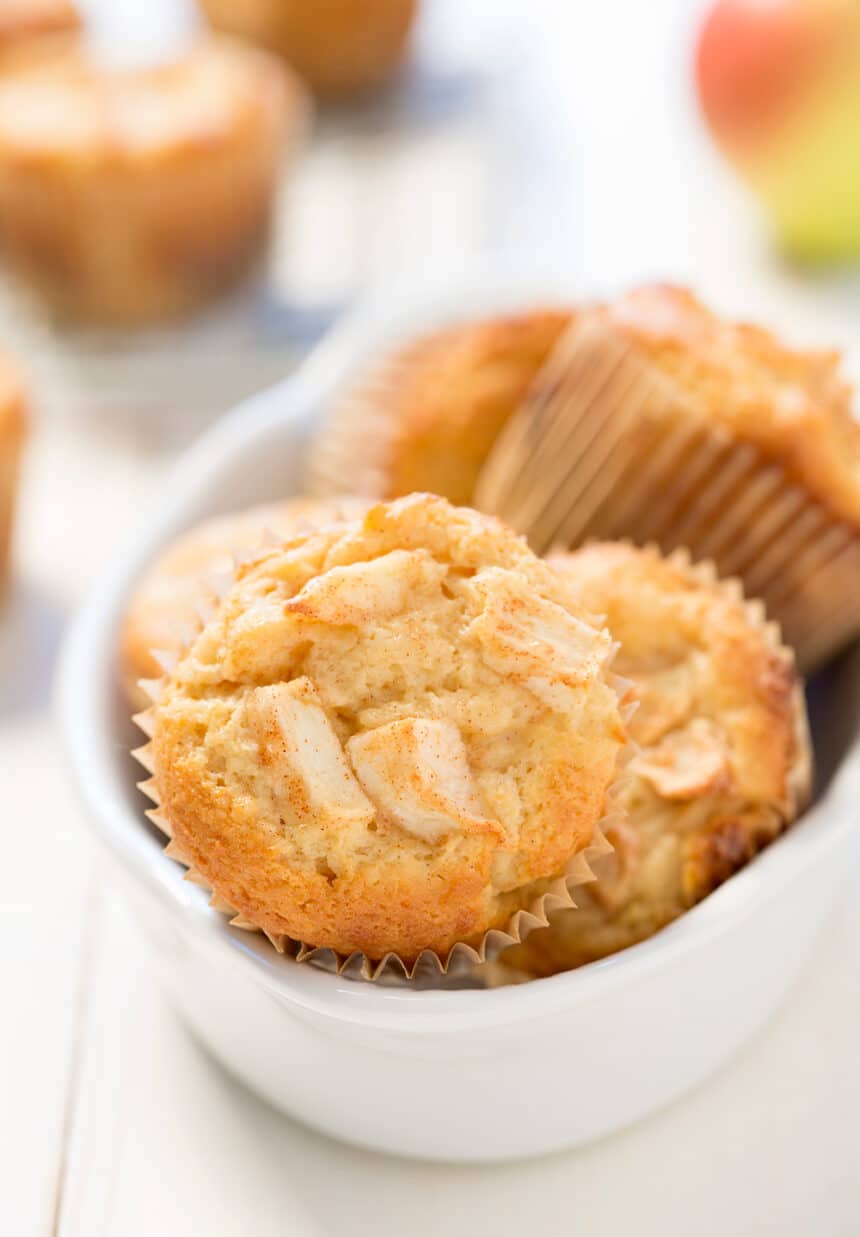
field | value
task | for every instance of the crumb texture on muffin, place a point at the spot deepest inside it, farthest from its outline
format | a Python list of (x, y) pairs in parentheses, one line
[(391, 732), (723, 762), (163, 607), (426, 417), (795, 405)]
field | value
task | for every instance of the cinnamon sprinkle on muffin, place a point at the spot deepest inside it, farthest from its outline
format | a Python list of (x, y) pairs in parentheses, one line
[(723, 762), (164, 604), (391, 735)]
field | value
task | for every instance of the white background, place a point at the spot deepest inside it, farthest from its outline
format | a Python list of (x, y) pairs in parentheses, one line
[(561, 128)]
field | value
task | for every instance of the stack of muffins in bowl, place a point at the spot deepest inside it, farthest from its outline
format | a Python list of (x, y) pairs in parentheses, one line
[(385, 732)]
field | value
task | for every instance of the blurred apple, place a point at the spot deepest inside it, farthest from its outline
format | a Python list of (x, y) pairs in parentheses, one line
[(779, 84)]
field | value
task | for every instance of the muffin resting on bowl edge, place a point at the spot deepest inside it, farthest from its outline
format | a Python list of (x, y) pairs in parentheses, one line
[(661, 421), (723, 761), (426, 416), (392, 735)]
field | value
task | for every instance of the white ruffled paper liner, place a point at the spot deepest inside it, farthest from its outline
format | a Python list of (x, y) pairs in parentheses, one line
[(607, 447), (499, 972), (463, 957), (351, 454)]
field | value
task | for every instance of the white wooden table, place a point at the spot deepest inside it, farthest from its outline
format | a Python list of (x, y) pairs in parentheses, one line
[(113, 1122)]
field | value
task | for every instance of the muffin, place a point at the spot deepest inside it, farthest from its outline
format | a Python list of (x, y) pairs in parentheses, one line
[(722, 763), (393, 735), (21, 21), (426, 417), (339, 47), (133, 194), (164, 605), (657, 420), (12, 427)]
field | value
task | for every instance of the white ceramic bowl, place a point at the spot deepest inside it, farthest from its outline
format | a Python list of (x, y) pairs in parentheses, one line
[(455, 1075)]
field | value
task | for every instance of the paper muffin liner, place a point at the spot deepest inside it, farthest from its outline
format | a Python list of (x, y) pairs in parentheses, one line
[(429, 967), (352, 453), (609, 447), (499, 972)]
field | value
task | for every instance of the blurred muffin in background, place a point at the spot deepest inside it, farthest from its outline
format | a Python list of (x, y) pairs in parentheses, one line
[(164, 603), (22, 21), (723, 760), (426, 417), (134, 194), (12, 429), (658, 420), (339, 47)]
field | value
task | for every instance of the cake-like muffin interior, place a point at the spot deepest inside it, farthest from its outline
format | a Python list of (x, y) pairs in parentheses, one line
[(723, 761), (390, 734)]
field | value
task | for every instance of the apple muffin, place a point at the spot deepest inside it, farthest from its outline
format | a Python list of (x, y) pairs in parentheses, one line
[(163, 607), (339, 47), (394, 734), (133, 194), (723, 759), (12, 428), (426, 417), (702, 433)]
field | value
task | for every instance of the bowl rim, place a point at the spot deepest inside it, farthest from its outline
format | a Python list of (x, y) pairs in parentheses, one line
[(86, 680)]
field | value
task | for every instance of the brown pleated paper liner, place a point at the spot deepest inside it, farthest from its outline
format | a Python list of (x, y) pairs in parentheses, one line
[(514, 967), (608, 447), (463, 958)]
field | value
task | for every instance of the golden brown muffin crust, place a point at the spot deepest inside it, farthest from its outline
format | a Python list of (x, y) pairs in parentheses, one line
[(164, 604), (390, 734), (426, 417), (723, 762), (794, 405)]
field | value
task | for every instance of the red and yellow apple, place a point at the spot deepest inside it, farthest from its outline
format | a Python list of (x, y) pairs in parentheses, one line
[(779, 84)]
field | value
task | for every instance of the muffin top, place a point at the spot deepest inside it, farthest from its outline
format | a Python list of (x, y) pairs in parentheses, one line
[(164, 605), (426, 417), (723, 761), (70, 105), (391, 732), (795, 406)]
